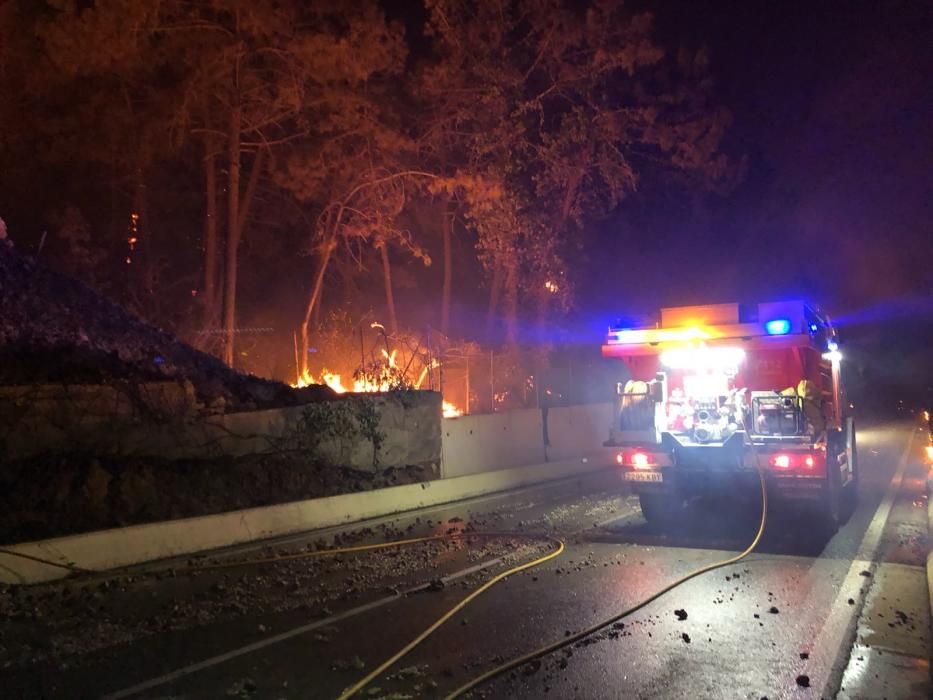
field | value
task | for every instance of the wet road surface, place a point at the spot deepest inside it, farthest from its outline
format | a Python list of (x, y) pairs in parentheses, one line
[(846, 614)]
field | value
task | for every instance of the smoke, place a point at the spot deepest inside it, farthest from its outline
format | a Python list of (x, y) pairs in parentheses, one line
[(913, 307)]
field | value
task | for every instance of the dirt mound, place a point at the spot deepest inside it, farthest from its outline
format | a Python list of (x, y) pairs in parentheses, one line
[(56, 329)]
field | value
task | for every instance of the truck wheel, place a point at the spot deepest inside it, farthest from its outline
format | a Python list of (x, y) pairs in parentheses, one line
[(850, 490), (660, 508), (832, 502), (831, 508)]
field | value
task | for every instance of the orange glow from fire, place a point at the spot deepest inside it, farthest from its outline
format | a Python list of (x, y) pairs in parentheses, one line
[(366, 386)]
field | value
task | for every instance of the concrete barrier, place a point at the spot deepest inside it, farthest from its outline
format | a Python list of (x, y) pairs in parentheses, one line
[(483, 443), (487, 442), (576, 430), (121, 547)]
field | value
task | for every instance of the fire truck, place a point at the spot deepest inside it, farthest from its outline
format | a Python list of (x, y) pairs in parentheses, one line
[(721, 391)]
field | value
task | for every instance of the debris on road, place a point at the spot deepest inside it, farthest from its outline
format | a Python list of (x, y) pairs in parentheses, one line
[(532, 667), (681, 614), (242, 688)]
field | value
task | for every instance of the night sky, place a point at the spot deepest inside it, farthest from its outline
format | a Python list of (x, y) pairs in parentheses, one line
[(833, 114)]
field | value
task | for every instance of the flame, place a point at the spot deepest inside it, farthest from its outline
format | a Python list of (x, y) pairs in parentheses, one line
[(365, 386)]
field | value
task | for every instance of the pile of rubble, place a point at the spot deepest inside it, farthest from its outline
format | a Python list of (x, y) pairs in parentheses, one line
[(54, 329)]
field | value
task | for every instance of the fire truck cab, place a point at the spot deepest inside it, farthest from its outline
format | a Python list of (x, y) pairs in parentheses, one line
[(718, 392)]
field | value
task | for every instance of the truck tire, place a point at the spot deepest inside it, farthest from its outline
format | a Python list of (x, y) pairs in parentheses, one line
[(837, 502), (661, 508), (831, 515), (850, 490)]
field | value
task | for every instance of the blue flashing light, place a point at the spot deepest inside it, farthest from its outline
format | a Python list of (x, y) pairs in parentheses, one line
[(832, 345), (779, 326), (814, 328)]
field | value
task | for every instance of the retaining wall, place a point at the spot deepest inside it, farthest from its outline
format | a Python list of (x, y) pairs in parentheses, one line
[(80, 459), (480, 454), (363, 432)]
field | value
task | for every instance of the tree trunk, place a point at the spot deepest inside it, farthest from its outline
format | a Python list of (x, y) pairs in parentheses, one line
[(542, 298), (316, 317), (447, 224), (495, 289), (390, 297), (211, 269), (233, 234), (251, 185), (316, 290), (511, 305), (542, 293)]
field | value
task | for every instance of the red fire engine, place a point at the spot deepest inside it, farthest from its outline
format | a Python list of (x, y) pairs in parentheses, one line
[(720, 391)]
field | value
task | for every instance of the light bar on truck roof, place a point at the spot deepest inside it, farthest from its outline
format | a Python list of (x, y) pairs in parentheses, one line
[(778, 326), (658, 335)]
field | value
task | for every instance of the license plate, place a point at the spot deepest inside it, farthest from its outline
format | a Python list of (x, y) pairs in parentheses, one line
[(643, 476)]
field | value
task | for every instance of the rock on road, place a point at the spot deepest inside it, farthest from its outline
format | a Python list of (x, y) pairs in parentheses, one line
[(807, 615)]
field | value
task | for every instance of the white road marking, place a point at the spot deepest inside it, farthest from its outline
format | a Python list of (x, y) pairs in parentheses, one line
[(827, 656)]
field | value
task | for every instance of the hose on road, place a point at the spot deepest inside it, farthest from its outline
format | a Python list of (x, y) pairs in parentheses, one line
[(498, 670), (459, 535), (567, 641), (376, 672), (132, 571)]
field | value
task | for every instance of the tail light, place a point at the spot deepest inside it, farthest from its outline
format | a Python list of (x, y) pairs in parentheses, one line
[(807, 462), (781, 461), (640, 460)]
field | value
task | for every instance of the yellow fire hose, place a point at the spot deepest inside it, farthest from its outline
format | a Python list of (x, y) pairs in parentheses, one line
[(363, 682), (545, 650), (127, 571), (498, 670), (550, 648)]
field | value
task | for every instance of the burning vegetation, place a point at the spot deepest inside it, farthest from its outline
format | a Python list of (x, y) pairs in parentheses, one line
[(384, 374)]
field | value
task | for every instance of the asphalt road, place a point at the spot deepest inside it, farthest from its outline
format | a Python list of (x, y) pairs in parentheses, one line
[(848, 611)]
